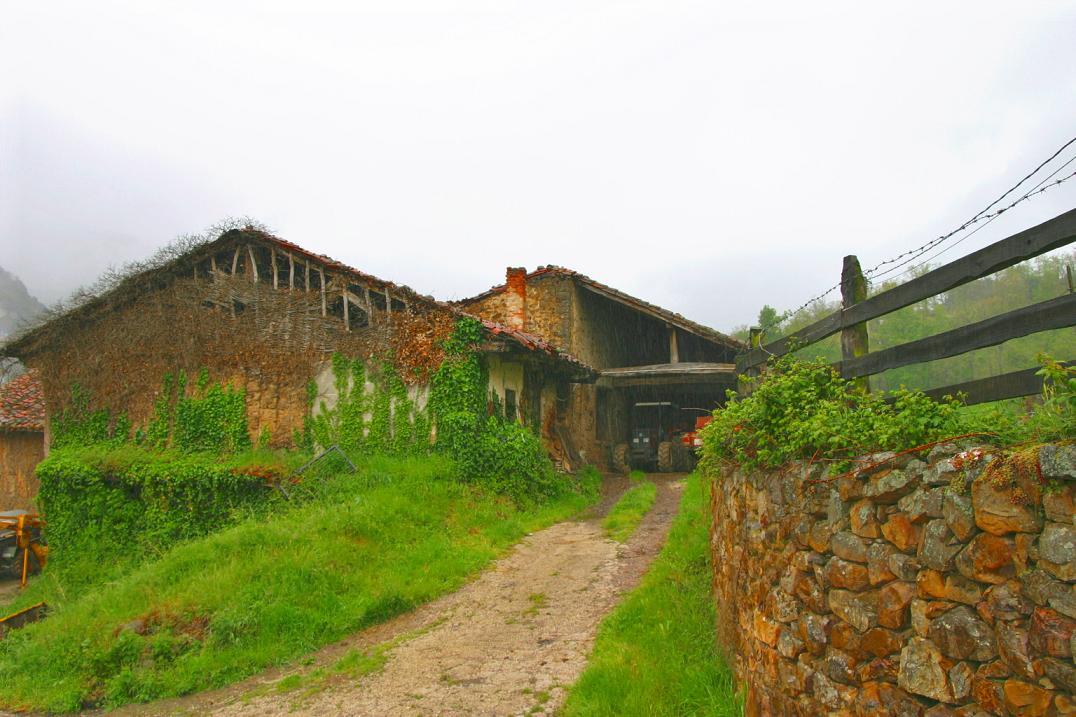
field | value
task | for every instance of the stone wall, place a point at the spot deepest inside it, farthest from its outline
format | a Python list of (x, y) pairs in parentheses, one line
[(20, 452), (919, 587)]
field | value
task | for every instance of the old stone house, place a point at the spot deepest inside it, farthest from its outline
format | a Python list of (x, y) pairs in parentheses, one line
[(643, 353), (22, 440), (266, 315)]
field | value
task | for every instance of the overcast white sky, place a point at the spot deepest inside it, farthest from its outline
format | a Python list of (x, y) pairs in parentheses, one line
[(709, 157)]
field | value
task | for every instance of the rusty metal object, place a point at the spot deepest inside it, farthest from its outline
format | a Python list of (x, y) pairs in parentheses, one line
[(25, 528), (22, 617)]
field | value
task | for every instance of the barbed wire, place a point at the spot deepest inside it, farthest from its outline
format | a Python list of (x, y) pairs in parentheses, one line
[(980, 216), (992, 216)]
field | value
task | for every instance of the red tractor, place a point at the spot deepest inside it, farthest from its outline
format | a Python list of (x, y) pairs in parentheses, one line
[(691, 439)]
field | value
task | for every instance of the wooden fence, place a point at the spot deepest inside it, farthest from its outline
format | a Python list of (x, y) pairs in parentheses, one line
[(858, 362)]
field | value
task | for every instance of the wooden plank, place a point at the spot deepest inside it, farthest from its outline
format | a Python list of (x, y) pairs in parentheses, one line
[(272, 254), (347, 318), (1050, 235), (253, 262), (369, 304), (1053, 314), (996, 388), (324, 308), (307, 284), (291, 271), (388, 304), (674, 348), (235, 259)]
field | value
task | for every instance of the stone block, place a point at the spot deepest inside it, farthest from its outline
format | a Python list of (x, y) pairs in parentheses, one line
[(923, 611), (923, 671), (881, 642), (1004, 602), (958, 514), (1040, 586), (938, 546), (1062, 674), (860, 610), (881, 698), (923, 503), (1057, 550), (878, 555), (1059, 504), (996, 513), (849, 546), (893, 602), (987, 558), (1051, 633), (847, 575), (1025, 699), (903, 566), (890, 485), (1014, 650), (901, 532), (1058, 462), (933, 584), (863, 519), (963, 635)]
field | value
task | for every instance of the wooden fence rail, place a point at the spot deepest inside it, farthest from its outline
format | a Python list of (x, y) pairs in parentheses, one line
[(858, 362)]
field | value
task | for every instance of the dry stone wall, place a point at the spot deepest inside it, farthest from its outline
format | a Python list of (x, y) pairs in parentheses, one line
[(922, 587)]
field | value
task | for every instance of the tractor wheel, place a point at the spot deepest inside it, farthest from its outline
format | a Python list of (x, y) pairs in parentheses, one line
[(665, 457), (621, 464)]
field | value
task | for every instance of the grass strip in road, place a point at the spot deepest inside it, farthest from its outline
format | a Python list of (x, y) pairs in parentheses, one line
[(636, 502), (655, 653)]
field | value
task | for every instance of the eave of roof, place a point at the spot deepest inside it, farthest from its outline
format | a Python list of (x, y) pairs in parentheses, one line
[(616, 295)]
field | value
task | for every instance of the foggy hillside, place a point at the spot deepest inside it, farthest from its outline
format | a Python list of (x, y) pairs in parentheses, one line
[(17, 306)]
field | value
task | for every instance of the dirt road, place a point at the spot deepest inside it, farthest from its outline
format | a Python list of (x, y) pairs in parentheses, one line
[(508, 643)]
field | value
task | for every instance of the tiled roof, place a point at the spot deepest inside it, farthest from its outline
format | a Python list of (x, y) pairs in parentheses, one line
[(22, 404), (617, 295)]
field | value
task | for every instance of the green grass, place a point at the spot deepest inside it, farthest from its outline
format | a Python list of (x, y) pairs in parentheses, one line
[(655, 654), (636, 502), (267, 590)]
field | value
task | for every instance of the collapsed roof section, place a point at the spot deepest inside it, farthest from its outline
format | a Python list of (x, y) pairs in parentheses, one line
[(268, 258), (670, 317)]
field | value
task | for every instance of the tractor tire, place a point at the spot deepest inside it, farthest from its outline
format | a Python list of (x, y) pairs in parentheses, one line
[(621, 462), (666, 456)]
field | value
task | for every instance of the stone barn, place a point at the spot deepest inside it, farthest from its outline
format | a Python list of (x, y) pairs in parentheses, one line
[(644, 354), (22, 440), (265, 315)]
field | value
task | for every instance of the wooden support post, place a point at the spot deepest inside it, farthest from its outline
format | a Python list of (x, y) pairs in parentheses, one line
[(235, 260), (854, 340), (674, 348), (1068, 275), (272, 253), (744, 382), (388, 304), (347, 318), (307, 265), (324, 307), (253, 263), (213, 263), (369, 306), (291, 271)]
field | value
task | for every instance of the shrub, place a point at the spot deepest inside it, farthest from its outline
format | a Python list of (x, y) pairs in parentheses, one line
[(804, 409)]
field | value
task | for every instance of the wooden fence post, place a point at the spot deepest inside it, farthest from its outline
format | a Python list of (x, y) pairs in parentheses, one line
[(744, 385), (854, 340)]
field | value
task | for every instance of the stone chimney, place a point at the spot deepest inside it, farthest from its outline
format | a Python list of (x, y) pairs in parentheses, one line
[(515, 298)]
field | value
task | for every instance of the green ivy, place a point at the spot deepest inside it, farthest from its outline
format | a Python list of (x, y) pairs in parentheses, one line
[(122, 502), (490, 450), (382, 419), (78, 425)]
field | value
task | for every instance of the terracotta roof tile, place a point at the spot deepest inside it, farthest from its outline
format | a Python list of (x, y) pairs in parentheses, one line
[(22, 404)]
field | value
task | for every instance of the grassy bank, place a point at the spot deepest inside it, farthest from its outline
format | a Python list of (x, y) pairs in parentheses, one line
[(266, 590), (655, 654), (629, 511)]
